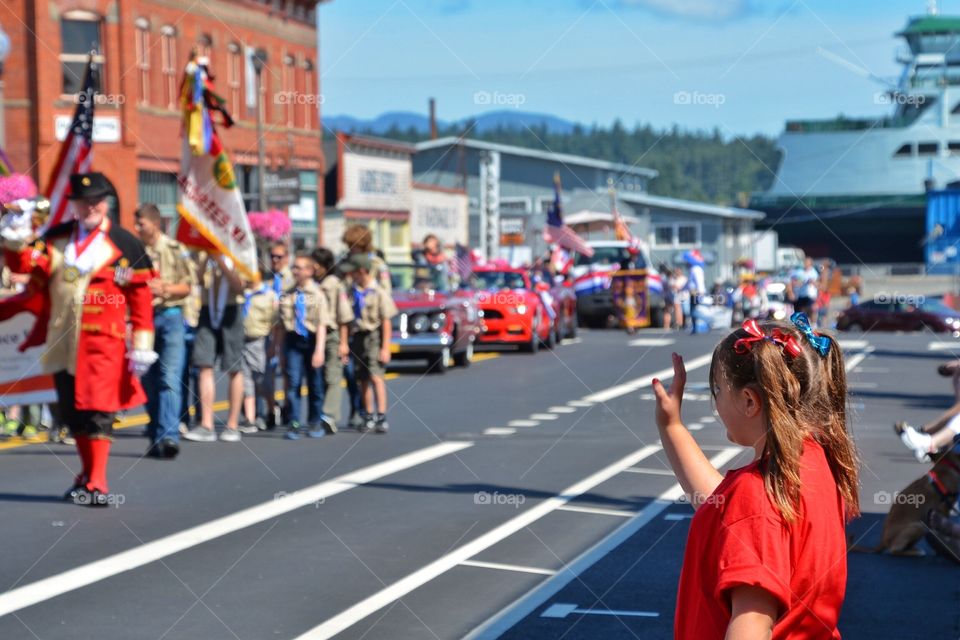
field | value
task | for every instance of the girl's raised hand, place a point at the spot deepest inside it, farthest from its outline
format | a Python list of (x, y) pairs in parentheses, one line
[(668, 402)]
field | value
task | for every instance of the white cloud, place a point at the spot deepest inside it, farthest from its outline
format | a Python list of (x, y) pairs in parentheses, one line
[(705, 10)]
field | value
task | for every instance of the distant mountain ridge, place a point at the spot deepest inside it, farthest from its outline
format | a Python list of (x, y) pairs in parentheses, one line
[(483, 123)]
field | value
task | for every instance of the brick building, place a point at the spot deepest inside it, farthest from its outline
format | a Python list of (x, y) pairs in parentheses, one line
[(144, 46)]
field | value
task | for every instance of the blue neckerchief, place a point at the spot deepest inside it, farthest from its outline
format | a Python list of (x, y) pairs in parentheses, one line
[(359, 300), (300, 313), (247, 296), (278, 284)]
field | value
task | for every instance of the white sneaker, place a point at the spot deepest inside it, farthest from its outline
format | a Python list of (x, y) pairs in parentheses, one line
[(917, 441), (200, 434), (229, 435)]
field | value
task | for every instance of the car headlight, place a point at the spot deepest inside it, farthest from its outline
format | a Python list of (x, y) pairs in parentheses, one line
[(438, 321), (419, 323), (779, 314), (521, 309)]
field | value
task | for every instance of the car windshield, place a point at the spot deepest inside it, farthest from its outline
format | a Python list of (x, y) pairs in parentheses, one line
[(605, 256), (408, 277), (497, 280), (935, 306)]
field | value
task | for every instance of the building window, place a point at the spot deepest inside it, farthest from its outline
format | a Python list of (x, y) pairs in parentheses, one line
[(312, 103), (676, 235), (143, 58), (168, 55), (161, 189), (514, 205), (234, 73), (79, 35), (545, 204), (288, 75), (954, 148), (927, 148), (905, 150)]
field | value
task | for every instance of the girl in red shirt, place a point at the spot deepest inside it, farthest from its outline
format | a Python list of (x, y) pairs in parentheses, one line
[(766, 552)]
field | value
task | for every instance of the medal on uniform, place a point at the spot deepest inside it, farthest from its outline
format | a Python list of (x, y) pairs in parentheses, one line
[(71, 274), (77, 261)]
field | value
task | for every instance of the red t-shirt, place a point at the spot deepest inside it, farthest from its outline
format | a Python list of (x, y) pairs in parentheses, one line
[(739, 538)]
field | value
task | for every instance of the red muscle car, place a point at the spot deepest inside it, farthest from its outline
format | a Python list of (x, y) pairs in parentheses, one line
[(511, 311)]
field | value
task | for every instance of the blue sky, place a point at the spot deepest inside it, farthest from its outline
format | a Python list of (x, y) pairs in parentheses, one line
[(741, 65)]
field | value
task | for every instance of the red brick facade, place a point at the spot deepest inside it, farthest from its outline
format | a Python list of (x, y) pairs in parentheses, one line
[(141, 89)]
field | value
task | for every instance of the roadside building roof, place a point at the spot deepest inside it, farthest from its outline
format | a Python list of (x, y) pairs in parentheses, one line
[(548, 156), (690, 206)]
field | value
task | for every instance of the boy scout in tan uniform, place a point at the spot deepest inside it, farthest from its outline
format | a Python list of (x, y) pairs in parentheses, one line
[(338, 331), (373, 309), (171, 292), (305, 316), (260, 313)]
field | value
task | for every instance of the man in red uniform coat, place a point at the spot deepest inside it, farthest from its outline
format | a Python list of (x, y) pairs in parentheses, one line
[(95, 274)]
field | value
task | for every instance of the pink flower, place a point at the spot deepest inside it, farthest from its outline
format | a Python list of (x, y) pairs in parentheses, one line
[(16, 186), (270, 225)]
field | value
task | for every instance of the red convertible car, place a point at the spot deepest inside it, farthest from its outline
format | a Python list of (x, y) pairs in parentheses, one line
[(435, 322), (561, 301), (511, 311)]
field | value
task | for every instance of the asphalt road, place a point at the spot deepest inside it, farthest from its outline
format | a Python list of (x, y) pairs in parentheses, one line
[(526, 497)]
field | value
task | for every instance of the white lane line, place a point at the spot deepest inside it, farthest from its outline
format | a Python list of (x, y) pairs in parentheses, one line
[(656, 472), (598, 511), (854, 360), (850, 345), (944, 346), (696, 426), (872, 370), (562, 610), (651, 342), (507, 567), (707, 419), (527, 604), (388, 595), (522, 423), (562, 410), (644, 381), (693, 397), (499, 431), (569, 341), (543, 416), (87, 574), (862, 385), (579, 404)]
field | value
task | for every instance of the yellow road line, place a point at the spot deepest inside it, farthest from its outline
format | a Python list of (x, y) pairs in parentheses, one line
[(140, 419)]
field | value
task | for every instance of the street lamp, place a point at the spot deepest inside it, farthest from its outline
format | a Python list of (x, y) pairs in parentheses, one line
[(259, 63), (4, 54)]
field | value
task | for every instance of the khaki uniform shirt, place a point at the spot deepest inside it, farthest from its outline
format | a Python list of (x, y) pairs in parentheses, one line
[(211, 280), (172, 261), (262, 313), (317, 312), (341, 310), (377, 308)]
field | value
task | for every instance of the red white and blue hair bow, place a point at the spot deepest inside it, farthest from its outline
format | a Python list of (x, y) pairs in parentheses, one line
[(785, 340), (821, 344)]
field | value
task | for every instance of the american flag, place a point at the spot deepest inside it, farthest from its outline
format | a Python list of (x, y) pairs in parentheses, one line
[(556, 232), (623, 232), (463, 262), (76, 152)]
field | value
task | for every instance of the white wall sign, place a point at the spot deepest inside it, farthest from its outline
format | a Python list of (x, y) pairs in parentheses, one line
[(305, 211), (21, 376), (105, 128), (444, 214), (377, 183)]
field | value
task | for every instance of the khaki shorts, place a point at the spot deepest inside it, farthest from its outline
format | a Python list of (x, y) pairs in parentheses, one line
[(365, 349)]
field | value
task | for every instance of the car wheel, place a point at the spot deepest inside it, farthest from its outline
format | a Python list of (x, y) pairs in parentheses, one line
[(465, 357), (440, 362), (574, 324), (534, 345), (551, 340)]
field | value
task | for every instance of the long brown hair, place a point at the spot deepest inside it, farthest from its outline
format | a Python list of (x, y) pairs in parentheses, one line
[(801, 396)]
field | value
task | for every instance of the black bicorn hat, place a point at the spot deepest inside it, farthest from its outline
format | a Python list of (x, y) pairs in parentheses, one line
[(88, 186)]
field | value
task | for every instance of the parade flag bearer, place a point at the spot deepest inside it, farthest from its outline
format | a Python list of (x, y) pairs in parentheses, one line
[(96, 275)]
